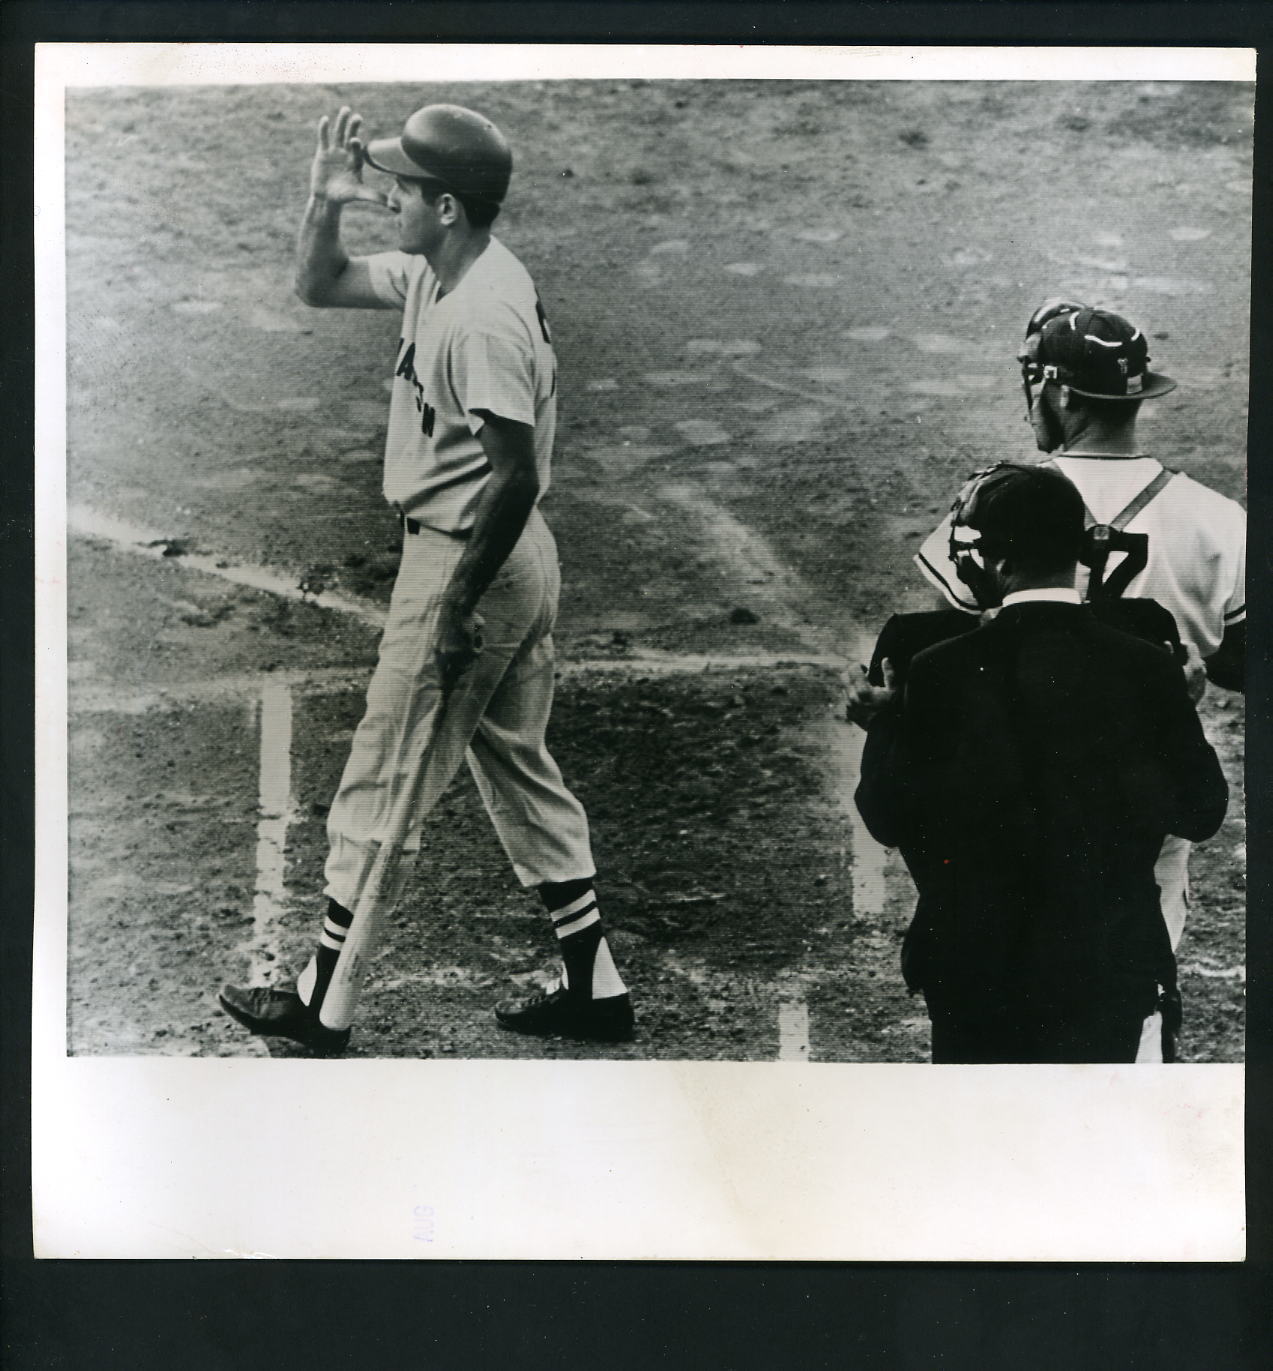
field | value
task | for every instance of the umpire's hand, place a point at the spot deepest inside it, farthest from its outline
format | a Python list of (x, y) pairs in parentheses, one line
[(864, 701)]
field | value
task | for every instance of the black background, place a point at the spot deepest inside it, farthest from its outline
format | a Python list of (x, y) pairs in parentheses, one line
[(230, 1315)]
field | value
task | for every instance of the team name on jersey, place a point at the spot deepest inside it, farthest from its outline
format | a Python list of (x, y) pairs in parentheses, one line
[(406, 369)]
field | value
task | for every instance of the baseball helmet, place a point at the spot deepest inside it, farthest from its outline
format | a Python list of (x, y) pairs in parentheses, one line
[(1011, 506), (447, 143), (1092, 351)]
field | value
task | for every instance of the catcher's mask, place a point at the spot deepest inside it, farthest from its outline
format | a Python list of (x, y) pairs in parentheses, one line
[(1094, 352), (1009, 509)]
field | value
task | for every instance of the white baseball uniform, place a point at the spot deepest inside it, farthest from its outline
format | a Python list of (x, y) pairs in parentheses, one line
[(484, 345), (1197, 545)]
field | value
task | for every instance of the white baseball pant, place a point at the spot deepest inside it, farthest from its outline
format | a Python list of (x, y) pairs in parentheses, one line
[(1171, 871), (495, 718)]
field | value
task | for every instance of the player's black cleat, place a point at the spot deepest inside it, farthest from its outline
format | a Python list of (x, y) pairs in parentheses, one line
[(558, 1012), (282, 1014)]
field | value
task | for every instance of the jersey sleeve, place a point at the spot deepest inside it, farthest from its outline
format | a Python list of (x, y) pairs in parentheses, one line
[(494, 371), (933, 561), (1235, 605), (390, 274)]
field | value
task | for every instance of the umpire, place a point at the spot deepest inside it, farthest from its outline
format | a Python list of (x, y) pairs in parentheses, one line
[(1029, 772)]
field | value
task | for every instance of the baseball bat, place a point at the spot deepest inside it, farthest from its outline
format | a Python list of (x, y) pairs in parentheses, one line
[(341, 1000)]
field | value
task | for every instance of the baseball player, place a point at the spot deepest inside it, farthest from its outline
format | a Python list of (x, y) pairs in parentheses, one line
[(465, 669), (1153, 532), (1093, 370)]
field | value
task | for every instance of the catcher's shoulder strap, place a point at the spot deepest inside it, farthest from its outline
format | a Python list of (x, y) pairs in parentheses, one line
[(1104, 538), (1133, 507)]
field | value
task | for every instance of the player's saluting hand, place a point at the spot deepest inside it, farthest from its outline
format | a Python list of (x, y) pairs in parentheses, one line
[(336, 171)]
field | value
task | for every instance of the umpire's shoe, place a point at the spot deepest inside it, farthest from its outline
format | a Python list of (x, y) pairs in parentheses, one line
[(558, 1012), (282, 1014)]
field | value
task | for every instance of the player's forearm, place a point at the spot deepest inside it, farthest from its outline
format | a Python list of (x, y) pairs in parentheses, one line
[(320, 256), (505, 506)]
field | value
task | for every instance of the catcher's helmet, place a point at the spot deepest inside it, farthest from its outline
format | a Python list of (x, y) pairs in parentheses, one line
[(1012, 508), (1092, 351), (455, 146)]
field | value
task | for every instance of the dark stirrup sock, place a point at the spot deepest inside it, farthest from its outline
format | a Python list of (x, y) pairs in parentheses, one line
[(312, 986), (589, 968)]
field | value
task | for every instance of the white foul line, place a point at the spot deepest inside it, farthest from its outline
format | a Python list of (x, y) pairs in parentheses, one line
[(869, 858), (275, 809), (145, 542), (793, 1031), (105, 699)]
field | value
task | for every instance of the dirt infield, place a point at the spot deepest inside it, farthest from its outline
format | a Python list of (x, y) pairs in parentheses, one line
[(786, 314)]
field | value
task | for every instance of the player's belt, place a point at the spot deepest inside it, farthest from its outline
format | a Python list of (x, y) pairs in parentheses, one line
[(415, 526)]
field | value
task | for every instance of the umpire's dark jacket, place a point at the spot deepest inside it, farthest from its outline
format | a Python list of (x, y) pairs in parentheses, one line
[(1028, 775)]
